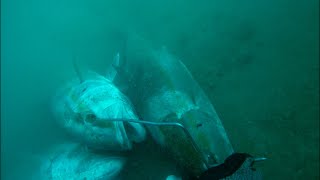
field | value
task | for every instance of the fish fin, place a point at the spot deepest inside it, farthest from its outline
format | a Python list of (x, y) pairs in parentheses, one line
[(76, 69), (113, 69)]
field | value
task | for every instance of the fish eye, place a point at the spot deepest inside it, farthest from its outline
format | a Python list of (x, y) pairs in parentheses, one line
[(212, 159), (90, 118)]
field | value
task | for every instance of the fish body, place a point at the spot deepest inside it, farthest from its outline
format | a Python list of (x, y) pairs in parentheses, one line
[(163, 90), (80, 107), (73, 161)]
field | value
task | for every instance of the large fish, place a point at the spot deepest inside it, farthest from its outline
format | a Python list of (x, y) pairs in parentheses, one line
[(73, 162), (85, 108), (163, 90)]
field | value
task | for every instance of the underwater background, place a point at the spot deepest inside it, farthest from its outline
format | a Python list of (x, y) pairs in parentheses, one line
[(258, 61)]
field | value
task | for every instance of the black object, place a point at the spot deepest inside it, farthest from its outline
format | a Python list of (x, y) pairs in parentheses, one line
[(230, 166)]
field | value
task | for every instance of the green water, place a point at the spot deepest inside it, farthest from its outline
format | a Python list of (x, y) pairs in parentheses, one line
[(258, 61)]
